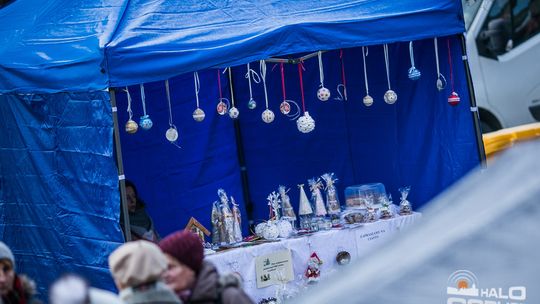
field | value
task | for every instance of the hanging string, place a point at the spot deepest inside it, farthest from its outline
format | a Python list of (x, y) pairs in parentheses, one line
[(411, 53), (143, 99), (343, 78), (130, 113), (283, 81), (386, 61), (197, 86), (219, 84), (262, 64), (364, 54), (450, 64), (231, 86), (252, 74), (169, 101), (321, 72), (437, 56), (300, 68)]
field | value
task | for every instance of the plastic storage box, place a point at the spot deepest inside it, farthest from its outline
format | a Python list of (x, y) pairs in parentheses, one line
[(360, 195)]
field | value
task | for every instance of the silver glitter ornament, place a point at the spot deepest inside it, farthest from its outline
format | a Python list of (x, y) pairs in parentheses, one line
[(268, 116), (171, 134), (390, 97), (323, 94), (305, 123), (198, 115), (233, 113), (368, 101)]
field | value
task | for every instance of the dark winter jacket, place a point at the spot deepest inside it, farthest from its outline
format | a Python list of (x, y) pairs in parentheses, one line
[(212, 288), (23, 292)]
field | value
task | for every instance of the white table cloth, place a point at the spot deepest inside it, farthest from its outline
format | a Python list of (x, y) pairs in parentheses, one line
[(357, 241)]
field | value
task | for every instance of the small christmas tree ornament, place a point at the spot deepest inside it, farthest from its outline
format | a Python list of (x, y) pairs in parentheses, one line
[(131, 126), (317, 200), (367, 100), (313, 271), (172, 133), (323, 93), (404, 205), (145, 122), (223, 104), (441, 81), (304, 210), (267, 115), (274, 205), (198, 114), (453, 99), (413, 73), (390, 97), (252, 104), (304, 123)]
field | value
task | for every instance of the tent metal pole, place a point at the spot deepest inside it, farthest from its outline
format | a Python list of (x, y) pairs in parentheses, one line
[(121, 177), (472, 97), (241, 159)]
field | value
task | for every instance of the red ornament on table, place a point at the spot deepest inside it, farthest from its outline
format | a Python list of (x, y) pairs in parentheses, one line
[(313, 271)]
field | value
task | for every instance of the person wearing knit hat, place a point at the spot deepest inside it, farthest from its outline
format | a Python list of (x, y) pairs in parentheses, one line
[(14, 288), (192, 278), (137, 268)]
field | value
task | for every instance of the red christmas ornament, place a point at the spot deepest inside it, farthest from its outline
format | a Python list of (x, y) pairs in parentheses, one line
[(454, 99)]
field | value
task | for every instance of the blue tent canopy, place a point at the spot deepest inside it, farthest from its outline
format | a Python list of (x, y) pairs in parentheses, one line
[(59, 196)]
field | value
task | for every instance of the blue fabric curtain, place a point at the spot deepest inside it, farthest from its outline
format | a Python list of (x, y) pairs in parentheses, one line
[(59, 199)]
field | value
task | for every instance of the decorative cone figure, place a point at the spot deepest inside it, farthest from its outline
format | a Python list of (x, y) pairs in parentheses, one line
[(304, 210)]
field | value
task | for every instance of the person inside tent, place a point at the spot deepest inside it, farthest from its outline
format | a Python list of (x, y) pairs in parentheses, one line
[(14, 288), (141, 224), (195, 280)]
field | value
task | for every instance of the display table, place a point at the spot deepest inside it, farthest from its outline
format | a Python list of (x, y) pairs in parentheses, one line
[(357, 241)]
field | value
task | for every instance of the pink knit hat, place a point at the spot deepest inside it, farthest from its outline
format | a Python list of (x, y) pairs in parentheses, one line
[(184, 246)]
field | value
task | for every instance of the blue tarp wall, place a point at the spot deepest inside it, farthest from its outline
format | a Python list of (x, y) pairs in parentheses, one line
[(58, 182)]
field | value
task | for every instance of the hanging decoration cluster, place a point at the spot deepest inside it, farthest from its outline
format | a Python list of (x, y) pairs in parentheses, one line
[(289, 108)]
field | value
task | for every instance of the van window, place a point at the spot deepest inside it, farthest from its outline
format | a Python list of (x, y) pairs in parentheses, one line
[(509, 24)]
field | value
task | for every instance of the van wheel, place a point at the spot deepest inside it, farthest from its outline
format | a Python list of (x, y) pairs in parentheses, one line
[(488, 121)]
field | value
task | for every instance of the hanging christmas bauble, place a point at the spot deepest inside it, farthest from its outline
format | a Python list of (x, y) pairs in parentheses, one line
[(198, 115), (131, 126), (390, 97), (268, 116), (323, 94), (233, 113), (222, 108), (305, 123), (145, 122), (414, 73), (252, 104), (285, 107), (171, 134), (454, 99), (368, 100)]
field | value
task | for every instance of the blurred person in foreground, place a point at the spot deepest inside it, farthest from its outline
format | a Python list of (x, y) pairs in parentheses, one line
[(14, 288), (195, 280), (72, 289), (137, 268)]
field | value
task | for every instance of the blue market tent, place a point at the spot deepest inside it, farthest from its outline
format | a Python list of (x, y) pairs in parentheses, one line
[(59, 198)]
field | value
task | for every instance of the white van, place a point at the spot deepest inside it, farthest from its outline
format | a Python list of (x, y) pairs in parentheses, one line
[(503, 45)]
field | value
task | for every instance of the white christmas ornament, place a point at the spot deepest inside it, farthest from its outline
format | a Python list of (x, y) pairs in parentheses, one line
[(390, 97), (368, 100), (271, 231), (259, 229), (285, 228), (233, 113), (171, 134), (268, 116), (323, 94), (198, 115), (305, 123)]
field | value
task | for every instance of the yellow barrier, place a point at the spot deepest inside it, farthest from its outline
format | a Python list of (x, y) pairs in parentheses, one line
[(499, 140)]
